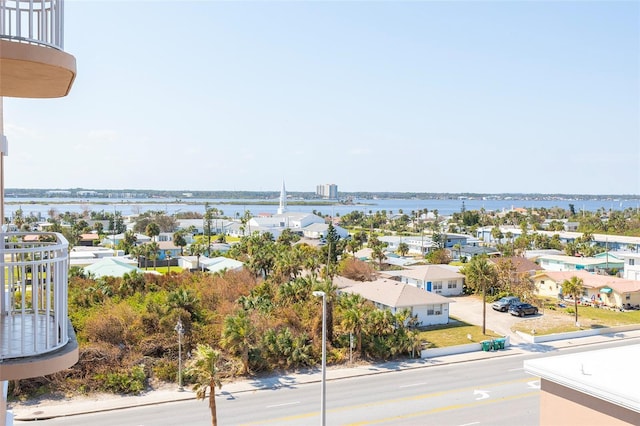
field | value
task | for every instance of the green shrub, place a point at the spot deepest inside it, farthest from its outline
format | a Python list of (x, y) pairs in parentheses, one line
[(570, 310), (126, 382), (166, 370)]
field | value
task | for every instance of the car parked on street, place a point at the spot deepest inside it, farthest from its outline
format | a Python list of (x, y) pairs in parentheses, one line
[(522, 309), (503, 304)]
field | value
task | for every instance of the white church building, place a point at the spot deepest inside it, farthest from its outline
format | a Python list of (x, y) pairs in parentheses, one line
[(305, 224)]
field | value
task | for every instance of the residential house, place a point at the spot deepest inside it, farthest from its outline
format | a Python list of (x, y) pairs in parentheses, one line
[(631, 265), (417, 245), (598, 289), (88, 240), (83, 256), (520, 267), (220, 264), (621, 293), (609, 242), (428, 308), (166, 249), (113, 267), (439, 279), (114, 240), (469, 252), (572, 263), (320, 230)]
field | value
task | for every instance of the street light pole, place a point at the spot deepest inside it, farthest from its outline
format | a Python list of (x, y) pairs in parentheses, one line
[(323, 395), (180, 330)]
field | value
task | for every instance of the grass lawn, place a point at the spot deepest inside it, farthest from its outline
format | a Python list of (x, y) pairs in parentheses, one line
[(562, 320), (453, 334)]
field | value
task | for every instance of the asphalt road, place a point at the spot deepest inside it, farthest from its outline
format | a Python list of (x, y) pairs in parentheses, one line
[(495, 391)]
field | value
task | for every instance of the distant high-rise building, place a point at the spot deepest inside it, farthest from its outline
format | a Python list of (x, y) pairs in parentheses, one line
[(327, 190)]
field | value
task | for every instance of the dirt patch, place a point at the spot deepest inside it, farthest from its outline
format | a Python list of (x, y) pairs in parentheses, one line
[(554, 322)]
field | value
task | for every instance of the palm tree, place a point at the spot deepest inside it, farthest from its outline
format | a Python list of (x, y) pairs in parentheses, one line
[(152, 230), (479, 273), (353, 317), (203, 366), (237, 336), (179, 240), (154, 248), (574, 287), (403, 249)]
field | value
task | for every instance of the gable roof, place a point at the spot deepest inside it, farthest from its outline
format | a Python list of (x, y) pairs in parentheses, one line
[(427, 273), (573, 260), (111, 267), (393, 293), (590, 280), (521, 264)]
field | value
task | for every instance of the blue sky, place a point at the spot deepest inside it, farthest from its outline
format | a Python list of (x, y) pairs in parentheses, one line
[(522, 96)]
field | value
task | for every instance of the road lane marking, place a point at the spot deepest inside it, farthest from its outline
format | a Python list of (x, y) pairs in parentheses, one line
[(534, 384), (469, 424), (301, 416), (481, 394), (442, 409), (516, 369), (412, 385), (283, 405)]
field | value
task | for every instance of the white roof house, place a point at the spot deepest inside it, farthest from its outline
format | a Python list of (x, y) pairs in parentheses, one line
[(429, 308), (219, 264), (439, 279), (112, 267)]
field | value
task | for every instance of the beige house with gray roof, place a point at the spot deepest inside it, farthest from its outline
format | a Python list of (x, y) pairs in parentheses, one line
[(429, 308), (439, 279)]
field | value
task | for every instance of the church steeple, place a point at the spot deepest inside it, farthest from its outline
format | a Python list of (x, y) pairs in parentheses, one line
[(283, 200)]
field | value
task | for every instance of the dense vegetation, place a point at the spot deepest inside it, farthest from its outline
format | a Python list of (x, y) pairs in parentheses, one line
[(259, 322), (265, 317)]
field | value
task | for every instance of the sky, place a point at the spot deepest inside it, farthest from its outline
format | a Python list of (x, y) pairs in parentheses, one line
[(415, 96)]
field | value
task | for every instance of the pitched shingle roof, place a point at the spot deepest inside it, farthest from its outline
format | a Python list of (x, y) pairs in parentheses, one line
[(393, 293), (427, 273)]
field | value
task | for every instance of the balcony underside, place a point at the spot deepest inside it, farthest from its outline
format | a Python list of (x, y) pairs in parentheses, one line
[(40, 365), (32, 71)]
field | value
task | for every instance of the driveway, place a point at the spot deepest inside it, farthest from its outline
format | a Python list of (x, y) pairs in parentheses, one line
[(469, 309)]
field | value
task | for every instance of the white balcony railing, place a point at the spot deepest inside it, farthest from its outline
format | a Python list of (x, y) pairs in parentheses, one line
[(33, 299), (33, 21)]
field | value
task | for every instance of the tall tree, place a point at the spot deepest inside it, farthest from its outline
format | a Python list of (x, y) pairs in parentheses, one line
[(574, 286), (480, 274), (152, 230), (208, 219), (203, 366), (179, 240), (403, 248), (238, 336)]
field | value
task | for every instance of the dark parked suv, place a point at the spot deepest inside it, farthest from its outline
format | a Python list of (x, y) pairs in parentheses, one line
[(522, 309)]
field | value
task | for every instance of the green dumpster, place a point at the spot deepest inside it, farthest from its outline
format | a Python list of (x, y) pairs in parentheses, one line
[(487, 345), (499, 343)]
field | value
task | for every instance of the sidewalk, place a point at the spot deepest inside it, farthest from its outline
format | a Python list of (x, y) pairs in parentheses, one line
[(69, 407)]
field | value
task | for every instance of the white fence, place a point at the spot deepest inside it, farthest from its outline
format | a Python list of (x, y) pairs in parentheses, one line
[(33, 300), (33, 21)]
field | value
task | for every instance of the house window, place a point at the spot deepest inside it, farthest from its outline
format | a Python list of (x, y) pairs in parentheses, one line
[(632, 262), (627, 296), (452, 284), (437, 285), (429, 309), (437, 309)]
